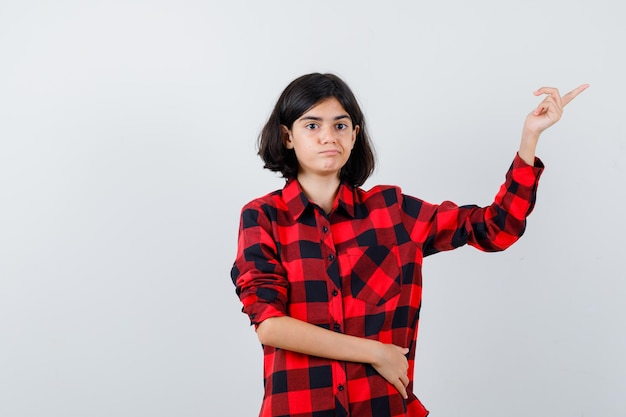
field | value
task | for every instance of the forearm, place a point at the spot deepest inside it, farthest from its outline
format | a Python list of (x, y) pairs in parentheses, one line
[(299, 336), (302, 337), (528, 146)]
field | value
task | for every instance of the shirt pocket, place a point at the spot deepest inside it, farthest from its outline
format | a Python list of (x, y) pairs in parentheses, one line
[(374, 273)]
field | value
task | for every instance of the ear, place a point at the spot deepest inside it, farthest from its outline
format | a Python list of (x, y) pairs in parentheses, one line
[(286, 136), (355, 132)]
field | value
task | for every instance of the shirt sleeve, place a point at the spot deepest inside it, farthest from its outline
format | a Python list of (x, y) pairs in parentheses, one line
[(259, 277), (493, 228)]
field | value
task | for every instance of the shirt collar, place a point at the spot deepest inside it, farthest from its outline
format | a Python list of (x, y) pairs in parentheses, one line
[(345, 198), (297, 202)]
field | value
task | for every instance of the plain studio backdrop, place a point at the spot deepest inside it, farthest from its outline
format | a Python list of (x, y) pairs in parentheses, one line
[(128, 147)]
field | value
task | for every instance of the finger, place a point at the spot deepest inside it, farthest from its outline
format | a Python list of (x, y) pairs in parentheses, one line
[(405, 380), (404, 350), (401, 389), (551, 92), (543, 108), (549, 105), (572, 94), (546, 90)]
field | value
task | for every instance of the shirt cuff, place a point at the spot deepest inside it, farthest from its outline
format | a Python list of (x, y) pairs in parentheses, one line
[(259, 311), (525, 174)]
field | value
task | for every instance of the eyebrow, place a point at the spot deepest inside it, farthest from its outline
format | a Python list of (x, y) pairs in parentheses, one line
[(319, 119)]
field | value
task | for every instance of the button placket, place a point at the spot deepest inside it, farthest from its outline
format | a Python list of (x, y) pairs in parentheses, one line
[(326, 239), (335, 304)]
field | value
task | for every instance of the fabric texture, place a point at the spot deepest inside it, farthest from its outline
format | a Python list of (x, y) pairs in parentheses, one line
[(357, 271)]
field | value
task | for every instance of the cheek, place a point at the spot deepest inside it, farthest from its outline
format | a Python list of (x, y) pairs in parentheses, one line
[(303, 150)]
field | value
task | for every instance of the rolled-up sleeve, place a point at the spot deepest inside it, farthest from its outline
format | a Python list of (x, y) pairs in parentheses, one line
[(257, 273)]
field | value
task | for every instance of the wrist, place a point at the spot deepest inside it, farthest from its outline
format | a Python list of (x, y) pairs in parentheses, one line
[(528, 146), (530, 136), (375, 351)]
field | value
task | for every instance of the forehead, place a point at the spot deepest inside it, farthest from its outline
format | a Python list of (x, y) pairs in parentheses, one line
[(328, 108)]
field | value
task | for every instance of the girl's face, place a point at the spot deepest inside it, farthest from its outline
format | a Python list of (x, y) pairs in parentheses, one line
[(322, 139)]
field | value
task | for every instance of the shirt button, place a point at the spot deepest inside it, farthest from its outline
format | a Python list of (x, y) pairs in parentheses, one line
[(335, 292), (324, 229), (336, 326), (340, 387), (331, 257)]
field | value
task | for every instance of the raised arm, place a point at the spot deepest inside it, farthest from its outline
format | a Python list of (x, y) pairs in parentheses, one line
[(547, 113)]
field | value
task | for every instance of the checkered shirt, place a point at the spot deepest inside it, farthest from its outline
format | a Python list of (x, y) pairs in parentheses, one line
[(357, 271)]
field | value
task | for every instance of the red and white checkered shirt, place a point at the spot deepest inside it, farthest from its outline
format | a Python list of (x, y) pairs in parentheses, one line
[(357, 271)]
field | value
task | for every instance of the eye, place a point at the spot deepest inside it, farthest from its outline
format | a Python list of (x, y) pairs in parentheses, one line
[(341, 126), (311, 126)]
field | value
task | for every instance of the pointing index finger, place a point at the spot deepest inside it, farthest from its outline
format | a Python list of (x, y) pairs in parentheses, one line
[(572, 94)]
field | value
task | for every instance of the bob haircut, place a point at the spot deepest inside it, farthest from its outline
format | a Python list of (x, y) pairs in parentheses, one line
[(302, 94)]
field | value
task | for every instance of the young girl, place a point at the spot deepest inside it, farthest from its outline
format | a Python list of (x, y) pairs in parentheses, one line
[(330, 274)]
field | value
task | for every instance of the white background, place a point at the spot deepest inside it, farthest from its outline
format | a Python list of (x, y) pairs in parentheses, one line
[(128, 133)]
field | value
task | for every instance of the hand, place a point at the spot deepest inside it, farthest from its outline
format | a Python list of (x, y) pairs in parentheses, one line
[(545, 115), (392, 364), (550, 109)]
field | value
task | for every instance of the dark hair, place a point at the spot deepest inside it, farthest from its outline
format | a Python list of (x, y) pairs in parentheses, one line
[(302, 94)]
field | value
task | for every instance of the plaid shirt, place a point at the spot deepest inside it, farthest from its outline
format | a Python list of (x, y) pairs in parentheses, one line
[(357, 271)]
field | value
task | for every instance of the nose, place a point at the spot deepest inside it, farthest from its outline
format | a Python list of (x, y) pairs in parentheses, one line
[(327, 135)]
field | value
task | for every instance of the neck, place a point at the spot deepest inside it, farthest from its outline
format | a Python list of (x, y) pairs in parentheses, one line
[(320, 190)]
